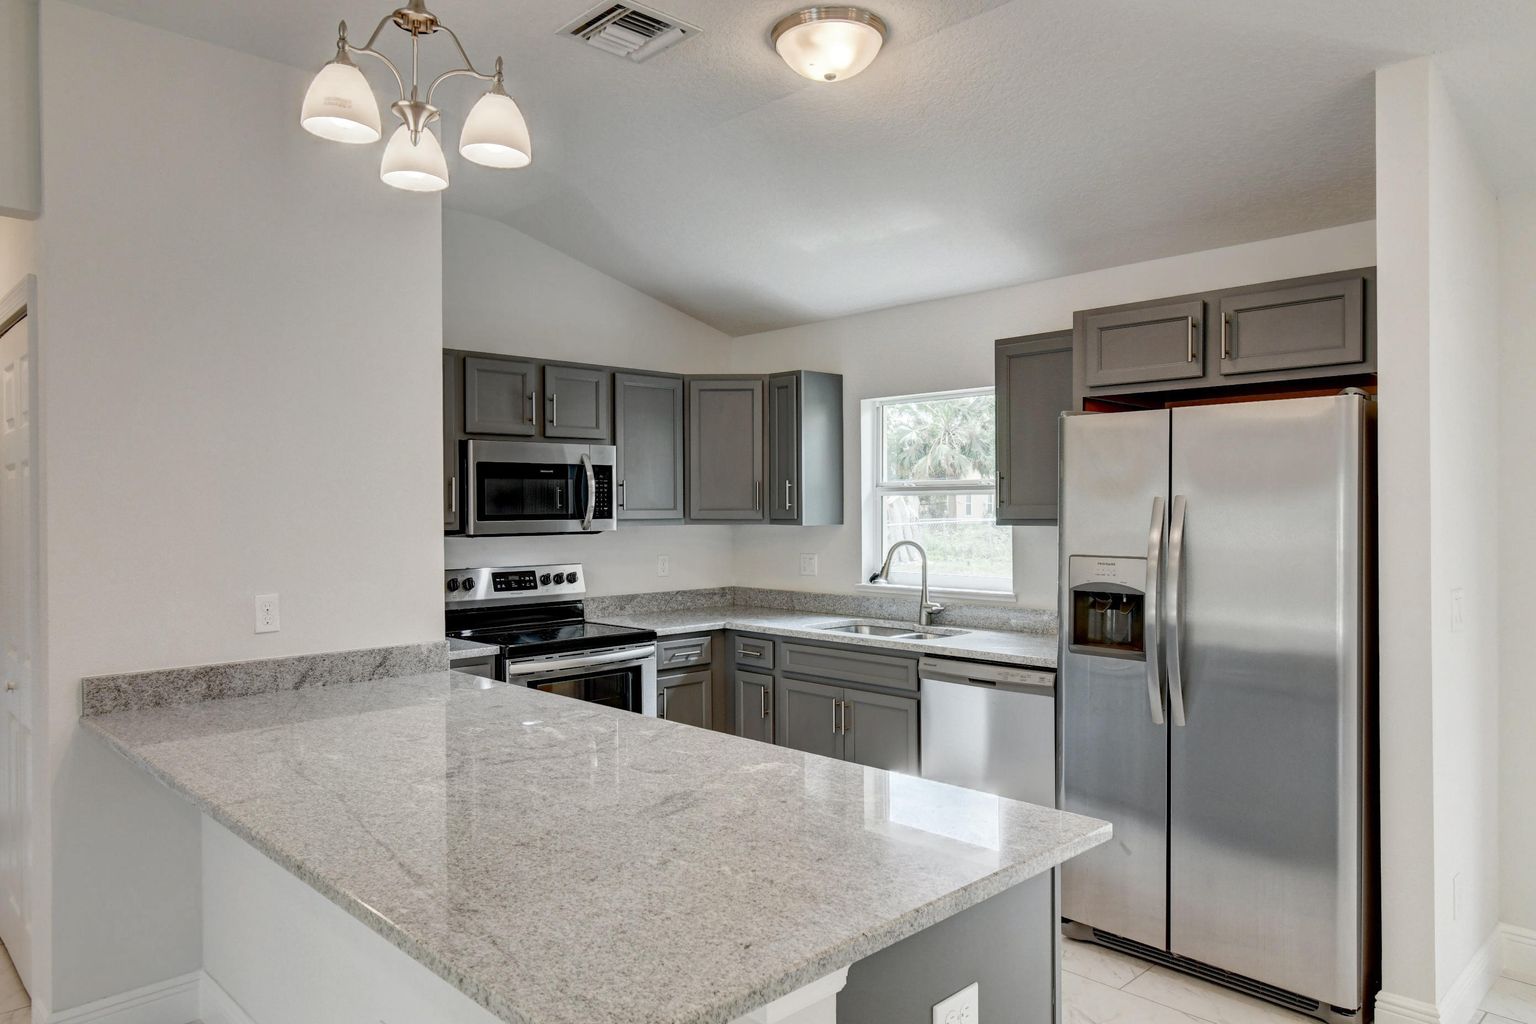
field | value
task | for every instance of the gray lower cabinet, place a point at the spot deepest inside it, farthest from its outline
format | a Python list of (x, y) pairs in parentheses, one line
[(648, 428), (1143, 344), (874, 729), (500, 396), (685, 697), (577, 402), (1320, 324), (754, 705), (726, 449), (1034, 387), (805, 448)]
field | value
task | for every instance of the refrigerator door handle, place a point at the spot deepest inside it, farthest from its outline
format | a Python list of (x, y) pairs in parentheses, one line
[(1153, 624), (1175, 621)]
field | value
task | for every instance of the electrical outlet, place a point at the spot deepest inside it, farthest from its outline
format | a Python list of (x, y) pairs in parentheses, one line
[(1458, 609), (964, 1007), (266, 613), (663, 565), (807, 565)]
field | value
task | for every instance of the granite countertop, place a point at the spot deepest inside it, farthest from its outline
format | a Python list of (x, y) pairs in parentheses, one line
[(1034, 650), (561, 862), (464, 650)]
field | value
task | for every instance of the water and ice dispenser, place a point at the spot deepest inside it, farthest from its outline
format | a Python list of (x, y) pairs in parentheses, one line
[(1108, 606)]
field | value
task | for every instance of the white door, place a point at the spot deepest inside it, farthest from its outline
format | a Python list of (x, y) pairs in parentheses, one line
[(18, 624)]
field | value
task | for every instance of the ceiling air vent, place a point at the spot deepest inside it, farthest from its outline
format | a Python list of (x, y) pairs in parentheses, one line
[(628, 30)]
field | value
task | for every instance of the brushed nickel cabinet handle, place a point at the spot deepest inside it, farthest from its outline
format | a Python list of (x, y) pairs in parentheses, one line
[(845, 716), (1194, 325), (1226, 336), (533, 405), (835, 705), (554, 409), (765, 712)]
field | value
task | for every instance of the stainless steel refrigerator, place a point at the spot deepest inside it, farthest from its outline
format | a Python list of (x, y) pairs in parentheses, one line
[(1215, 691)]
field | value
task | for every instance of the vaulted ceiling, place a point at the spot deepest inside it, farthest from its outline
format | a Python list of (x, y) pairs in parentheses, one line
[(993, 142)]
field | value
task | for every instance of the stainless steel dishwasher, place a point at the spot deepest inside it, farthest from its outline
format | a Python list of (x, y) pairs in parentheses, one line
[(989, 727)]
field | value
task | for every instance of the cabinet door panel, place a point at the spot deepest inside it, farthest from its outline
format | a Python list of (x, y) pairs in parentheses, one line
[(808, 717), (783, 448), (500, 396), (1154, 343), (1034, 387), (725, 450), (577, 400), (754, 705), (453, 417), (1294, 328), (880, 731), (684, 697), (648, 422)]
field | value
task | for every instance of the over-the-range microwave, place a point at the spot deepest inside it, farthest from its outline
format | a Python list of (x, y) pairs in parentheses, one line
[(528, 487)]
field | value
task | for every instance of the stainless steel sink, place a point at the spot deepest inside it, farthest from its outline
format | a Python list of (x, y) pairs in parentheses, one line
[(867, 629), (891, 632)]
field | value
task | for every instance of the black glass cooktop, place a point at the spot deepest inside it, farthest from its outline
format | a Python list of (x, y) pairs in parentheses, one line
[(527, 640)]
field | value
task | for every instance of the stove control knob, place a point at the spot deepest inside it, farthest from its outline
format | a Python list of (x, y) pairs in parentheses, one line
[(469, 583), (453, 585), (544, 580), (570, 577), (559, 577)]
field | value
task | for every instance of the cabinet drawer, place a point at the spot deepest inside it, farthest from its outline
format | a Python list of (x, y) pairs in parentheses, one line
[(1138, 346), (753, 650), (685, 653), (843, 665)]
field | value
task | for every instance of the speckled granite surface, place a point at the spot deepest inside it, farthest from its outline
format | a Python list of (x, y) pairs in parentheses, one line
[(900, 607), (1032, 650), (127, 691), (466, 650), (565, 863)]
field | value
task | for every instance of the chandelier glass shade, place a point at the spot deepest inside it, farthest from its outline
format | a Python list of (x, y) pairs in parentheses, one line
[(340, 106)]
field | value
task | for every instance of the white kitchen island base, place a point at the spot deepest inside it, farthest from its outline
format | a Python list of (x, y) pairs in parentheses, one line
[(278, 952)]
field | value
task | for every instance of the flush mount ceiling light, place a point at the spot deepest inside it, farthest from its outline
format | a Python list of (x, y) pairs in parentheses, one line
[(341, 107), (829, 44)]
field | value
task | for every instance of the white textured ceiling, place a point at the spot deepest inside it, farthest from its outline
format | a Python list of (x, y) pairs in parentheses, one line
[(993, 142)]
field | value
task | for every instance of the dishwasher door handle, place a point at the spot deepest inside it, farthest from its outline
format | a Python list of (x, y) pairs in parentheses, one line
[(992, 677)]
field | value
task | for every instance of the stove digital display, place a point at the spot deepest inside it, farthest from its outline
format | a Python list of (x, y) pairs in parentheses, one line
[(508, 582)]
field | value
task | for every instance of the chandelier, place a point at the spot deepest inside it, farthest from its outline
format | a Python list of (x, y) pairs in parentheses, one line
[(341, 107)]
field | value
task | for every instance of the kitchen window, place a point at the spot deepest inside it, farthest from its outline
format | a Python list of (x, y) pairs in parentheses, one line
[(932, 478)]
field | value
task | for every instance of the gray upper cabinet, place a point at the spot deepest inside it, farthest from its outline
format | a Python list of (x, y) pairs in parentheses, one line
[(685, 697), (810, 717), (577, 400), (453, 415), (1034, 387), (648, 426), (726, 433), (805, 448), (880, 731), (1139, 345), (1321, 324), (500, 396), (754, 705)]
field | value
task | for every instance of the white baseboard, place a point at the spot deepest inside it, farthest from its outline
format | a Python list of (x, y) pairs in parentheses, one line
[(174, 1001), (1460, 1004), (1519, 953), (1396, 1009), (217, 1005)]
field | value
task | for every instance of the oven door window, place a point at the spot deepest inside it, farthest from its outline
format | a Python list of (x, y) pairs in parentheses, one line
[(616, 688), (522, 491)]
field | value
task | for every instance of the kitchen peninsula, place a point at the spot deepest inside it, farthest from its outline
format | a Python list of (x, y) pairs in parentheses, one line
[(552, 861)]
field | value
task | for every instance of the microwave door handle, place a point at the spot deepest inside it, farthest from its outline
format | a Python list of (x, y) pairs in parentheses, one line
[(586, 464), (1151, 624), (1175, 602)]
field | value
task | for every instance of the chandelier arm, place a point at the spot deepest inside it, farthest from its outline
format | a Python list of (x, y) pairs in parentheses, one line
[(368, 50), (469, 65), (456, 72), (387, 19)]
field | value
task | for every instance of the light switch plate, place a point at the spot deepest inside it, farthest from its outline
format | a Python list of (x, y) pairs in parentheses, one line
[(266, 613), (663, 565), (964, 1007), (807, 565), (1458, 609)]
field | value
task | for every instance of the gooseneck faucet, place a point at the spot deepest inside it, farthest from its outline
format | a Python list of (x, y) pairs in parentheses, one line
[(926, 609)]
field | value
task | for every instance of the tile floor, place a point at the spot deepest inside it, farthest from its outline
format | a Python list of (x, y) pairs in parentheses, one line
[(15, 1004), (1100, 986)]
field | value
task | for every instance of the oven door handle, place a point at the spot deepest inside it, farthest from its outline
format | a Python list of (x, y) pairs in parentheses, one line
[(544, 668), (586, 464)]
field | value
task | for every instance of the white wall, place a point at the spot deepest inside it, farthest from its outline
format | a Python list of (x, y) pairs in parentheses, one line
[(17, 251), (19, 181), (1437, 224), (240, 372), (948, 343), (505, 292), (1517, 568)]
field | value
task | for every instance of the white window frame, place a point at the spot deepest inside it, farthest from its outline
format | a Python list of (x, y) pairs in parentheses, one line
[(876, 488)]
